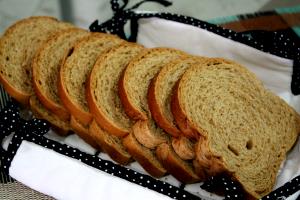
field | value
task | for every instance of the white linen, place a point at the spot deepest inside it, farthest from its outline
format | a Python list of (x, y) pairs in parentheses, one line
[(64, 178)]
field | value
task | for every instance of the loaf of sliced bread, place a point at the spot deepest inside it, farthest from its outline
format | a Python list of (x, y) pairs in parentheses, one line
[(17, 48), (46, 65), (242, 129), (110, 144), (75, 70), (39, 111), (102, 90)]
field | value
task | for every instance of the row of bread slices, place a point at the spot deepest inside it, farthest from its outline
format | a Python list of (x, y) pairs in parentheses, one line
[(96, 85), (192, 117)]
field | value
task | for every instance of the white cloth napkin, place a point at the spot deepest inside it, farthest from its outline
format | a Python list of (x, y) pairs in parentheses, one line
[(66, 178)]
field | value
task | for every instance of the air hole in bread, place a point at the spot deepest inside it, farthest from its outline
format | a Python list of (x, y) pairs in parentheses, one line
[(7, 58), (249, 144), (2, 72), (40, 82), (27, 72), (233, 150), (70, 52)]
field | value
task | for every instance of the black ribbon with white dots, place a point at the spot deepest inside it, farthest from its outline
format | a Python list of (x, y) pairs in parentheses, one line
[(278, 43)]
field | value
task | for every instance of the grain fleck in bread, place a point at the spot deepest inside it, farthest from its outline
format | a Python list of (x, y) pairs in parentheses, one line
[(242, 129), (17, 48), (75, 70), (45, 68), (102, 90)]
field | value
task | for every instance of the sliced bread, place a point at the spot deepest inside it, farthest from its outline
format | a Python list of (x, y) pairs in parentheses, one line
[(45, 69), (102, 90), (39, 111), (17, 48), (242, 129), (75, 70), (161, 87)]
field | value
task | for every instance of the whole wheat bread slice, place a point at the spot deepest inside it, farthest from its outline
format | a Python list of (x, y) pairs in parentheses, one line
[(75, 70), (17, 48), (133, 87), (46, 65), (242, 129), (102, 91)]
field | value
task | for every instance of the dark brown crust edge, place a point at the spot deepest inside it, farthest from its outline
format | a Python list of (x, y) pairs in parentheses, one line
[(157, 112), (180, 116)]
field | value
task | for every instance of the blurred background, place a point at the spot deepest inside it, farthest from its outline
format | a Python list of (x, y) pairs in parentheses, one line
[(83, 12)]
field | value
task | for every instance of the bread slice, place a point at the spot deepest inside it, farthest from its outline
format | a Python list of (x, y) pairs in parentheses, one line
[(110, 144), (39, 111), (17, 48), (45, 68), (75, 70), (242, 129), (161, 87), (102, 90)]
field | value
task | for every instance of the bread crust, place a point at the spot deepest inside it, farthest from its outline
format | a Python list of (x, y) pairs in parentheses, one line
[(99, 116), (144, 136), (174, 165), (20, 96), (180, 116), (82, 116), (113, 151), (129, 109), (138, 153), (83, 133), (183, 147), (156, 110)]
